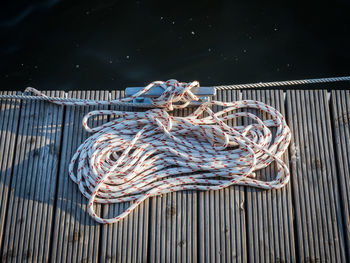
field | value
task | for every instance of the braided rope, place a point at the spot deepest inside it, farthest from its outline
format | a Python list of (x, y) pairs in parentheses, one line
[(174, 92), (281, 83), (143, 154)]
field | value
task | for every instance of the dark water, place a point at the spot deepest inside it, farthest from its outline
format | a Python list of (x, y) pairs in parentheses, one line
[(52, 44)]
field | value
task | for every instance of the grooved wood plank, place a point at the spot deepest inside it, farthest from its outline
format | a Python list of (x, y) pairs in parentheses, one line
[(173, 224), (340, 105), (218, 225), (76, 234), (269, 212), (222, 223), (9, 116), (318, 221), (28, 228), (125, 241)]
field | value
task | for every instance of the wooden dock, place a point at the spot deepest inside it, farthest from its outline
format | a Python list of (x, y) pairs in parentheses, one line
[(43, 215)]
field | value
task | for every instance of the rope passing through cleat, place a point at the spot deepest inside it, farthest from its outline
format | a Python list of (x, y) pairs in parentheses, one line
[(142, 154)]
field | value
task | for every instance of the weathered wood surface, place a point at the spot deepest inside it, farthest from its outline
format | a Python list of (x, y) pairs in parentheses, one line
[(173, 224), (43, 214), (75, 235), (318, 220), (340, 109), (28, 228), (125, 241), (269, 213), (9, 116), (222, 220)]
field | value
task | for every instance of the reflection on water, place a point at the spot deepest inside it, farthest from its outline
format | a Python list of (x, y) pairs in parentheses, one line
[(52, 44)]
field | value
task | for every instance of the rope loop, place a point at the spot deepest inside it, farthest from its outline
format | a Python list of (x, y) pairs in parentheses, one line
[(176, 95), (143, 154), (174, 92)]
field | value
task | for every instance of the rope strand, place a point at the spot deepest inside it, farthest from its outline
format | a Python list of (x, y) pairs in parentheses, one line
[(143, 154), (182, 90), (281, 83)]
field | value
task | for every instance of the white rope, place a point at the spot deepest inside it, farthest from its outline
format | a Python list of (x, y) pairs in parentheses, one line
[(174, 92), (281, 83), (143, 154)]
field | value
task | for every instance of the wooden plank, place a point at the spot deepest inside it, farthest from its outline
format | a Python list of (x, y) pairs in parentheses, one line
[(76, 234), (269, 213), (173, 233), (340, 117), (222, 236), (125, 241), (318, 221), (9, 116), (28, 228), (173, 224)]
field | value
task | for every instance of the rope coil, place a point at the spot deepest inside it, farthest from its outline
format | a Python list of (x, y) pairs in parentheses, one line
[(143, 154)]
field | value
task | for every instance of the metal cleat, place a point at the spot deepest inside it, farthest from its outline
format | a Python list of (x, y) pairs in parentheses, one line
[(204, 93)]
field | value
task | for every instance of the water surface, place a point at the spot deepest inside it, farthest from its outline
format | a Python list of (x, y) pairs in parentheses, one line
[(68, 45)]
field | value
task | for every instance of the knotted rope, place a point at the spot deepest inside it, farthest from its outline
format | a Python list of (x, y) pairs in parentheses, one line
[(143, 154), (174, 92)]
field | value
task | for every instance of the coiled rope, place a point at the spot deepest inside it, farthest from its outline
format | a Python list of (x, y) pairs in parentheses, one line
[(143, 154)]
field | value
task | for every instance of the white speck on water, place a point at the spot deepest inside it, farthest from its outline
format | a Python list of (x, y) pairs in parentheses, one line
[(127, 57), (87, 12), (110, 62), (209, 49), (288, 65), (173, 22), (35, 66), (77, 66), (276, 29), (22, 64), (161, 18), (193, 33), (244, 51)]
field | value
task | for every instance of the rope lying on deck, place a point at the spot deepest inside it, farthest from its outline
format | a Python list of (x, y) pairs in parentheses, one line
[(128, 101), (143, 154)]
